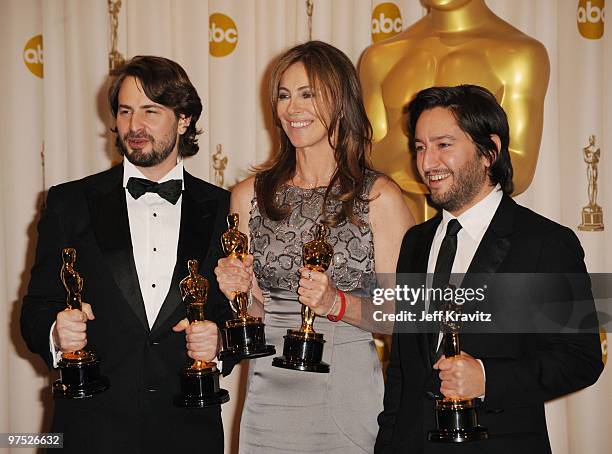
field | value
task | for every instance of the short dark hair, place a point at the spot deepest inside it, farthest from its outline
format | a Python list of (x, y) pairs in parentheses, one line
[(479, 115), (164, 82)]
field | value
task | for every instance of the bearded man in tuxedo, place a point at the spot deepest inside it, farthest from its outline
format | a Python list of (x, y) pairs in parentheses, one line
[(134, 228), (460, 138)]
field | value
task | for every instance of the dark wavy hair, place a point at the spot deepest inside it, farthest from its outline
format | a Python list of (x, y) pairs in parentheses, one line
[(164, 82), (333, 79), (479, 115)]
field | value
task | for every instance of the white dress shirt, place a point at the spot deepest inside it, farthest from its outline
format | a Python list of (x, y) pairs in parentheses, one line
[(474, 223), (154, 230)]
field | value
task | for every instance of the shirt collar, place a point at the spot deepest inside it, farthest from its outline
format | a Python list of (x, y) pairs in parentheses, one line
[(475, 220), (130, 170)]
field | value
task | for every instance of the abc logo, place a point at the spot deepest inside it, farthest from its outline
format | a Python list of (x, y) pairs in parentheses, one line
[(33, 55), (591, 17), (222, 35), (386, 21)]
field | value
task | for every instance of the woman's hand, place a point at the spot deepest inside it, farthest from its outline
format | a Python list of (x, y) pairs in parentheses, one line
[(316, 292), (234, 275)]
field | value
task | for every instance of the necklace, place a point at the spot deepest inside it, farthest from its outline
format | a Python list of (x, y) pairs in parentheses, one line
[(311, 184)]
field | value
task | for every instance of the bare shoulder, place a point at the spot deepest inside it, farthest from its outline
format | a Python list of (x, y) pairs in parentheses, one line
[(242, 194), (384, 191), (386, 199)]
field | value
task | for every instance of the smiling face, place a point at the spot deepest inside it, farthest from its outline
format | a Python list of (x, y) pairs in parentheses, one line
[(147, 132), (449, 163), (297, 112)]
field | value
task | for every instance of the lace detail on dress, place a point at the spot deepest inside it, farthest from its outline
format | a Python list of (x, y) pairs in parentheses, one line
[(277, 245)]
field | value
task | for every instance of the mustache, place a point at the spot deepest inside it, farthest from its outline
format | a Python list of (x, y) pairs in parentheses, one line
[(138, 135)]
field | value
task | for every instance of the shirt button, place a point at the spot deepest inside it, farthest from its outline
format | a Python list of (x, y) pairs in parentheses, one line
[(154, 215), (154, 249), (153, 285)]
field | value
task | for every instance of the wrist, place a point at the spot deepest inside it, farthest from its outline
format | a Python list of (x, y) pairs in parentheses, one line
[(333, 309), (341, 307)]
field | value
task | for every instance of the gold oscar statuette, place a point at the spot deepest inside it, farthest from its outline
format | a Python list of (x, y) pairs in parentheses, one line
[(79, 370), (243, 337), (456, 419), (199, 381), (303, 347), (219, 165), (592, 214), (457, 42)]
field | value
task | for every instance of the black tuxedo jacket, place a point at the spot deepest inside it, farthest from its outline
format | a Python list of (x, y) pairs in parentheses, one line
[(522, 370), (136, 414)]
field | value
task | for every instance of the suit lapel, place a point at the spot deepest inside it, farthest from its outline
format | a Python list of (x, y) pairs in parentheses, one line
[(197, 216), (111, 227), (422, 259), (489, 256), (495, 244)]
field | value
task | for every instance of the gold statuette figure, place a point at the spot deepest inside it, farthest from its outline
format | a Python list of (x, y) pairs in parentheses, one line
[(592, 214), (243, 337), (457, 420), (200, 380), (303, 348), (219, 166), (457, 42), (80, 370)]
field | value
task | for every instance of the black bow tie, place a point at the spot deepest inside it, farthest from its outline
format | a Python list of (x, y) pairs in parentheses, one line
[(169, 190)]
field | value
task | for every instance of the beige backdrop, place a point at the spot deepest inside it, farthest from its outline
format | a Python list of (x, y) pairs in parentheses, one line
[(64, 113)]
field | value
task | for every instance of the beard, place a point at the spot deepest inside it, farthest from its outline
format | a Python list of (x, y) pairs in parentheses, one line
[(159, 152), (467, 183)]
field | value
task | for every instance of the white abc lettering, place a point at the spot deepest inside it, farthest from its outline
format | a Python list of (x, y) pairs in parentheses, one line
[(375, 27), (397, 25), (33, 56), (591, 13), (218, 35), (231, 35), (386, 25)]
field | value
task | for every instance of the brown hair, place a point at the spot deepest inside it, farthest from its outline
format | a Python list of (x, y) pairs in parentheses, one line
[(164, 82), (333, 79)]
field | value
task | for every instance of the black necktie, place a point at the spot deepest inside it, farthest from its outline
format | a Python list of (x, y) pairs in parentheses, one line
[(169, 190), (442, 272)]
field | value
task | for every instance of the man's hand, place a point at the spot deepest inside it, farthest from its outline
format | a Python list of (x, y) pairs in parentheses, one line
[(69, 333), (462, 377), (202, 339)]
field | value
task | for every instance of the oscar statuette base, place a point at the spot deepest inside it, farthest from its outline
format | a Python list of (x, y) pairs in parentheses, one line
[(79, 378), (457, 422), (200, 388), (592, 219), (302, 351), (245, 339)]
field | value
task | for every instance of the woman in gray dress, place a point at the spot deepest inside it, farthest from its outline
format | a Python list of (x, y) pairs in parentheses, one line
[(320, 174)]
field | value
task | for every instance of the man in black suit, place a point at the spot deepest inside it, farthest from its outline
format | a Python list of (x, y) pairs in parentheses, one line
[(134, 228), (460, 138)]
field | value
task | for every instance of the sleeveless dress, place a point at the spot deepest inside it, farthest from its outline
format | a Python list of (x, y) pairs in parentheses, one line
[(289, 411)]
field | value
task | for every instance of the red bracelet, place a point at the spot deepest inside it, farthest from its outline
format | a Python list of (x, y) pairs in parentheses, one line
[(338, 317)]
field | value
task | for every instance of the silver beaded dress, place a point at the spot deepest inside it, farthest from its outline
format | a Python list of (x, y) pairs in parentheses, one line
[(289, 411)]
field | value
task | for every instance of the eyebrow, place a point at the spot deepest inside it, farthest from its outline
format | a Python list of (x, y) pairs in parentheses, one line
[(146, 106), (303, 87), (434, 138)]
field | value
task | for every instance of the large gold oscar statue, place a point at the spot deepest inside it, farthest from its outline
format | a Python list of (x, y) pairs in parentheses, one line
[(457, 42)]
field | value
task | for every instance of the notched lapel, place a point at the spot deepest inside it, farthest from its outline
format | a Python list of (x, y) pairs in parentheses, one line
[(197, 223), (110, 223), (495, 243)]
